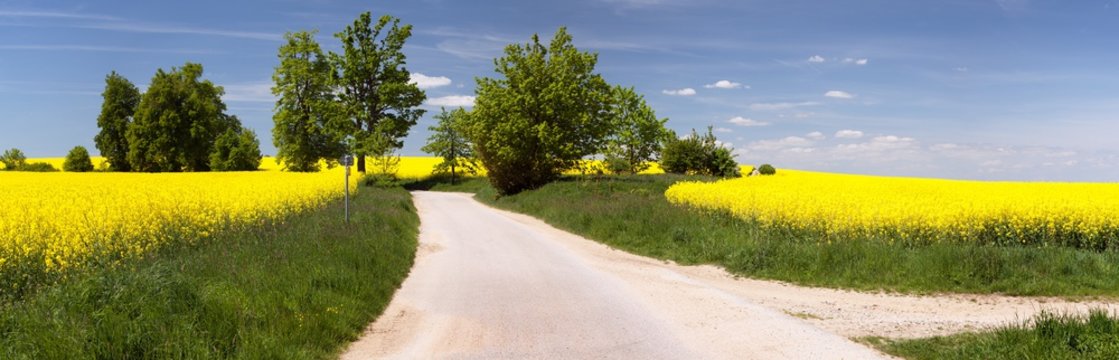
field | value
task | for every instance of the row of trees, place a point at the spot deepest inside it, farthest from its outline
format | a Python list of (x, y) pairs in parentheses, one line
[(330, 104), (546, 112), (551, 111), (179, 124), (77, 160)]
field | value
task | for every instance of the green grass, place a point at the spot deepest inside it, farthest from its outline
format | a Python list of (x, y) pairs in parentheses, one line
[(300, 290), (631, 213), (1047, 336)]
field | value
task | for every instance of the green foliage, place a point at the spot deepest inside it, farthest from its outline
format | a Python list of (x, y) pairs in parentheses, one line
[(698, 155), (376, 92), (308, 118), (120, 100), (301, 289), (767, 169), (236, 149), (78, 160), (13, 159), (447, 141), (1045, 336), (37, 167), (637, 133), (546, 112), (177, 121)]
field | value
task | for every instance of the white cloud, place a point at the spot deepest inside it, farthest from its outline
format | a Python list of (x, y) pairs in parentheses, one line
[(816, 135), (848, 134), (881, 143), (778, 144), (452, 101), (249, 92), (816, 59), (724, 84), (170, 29), (429, 82), (680, 92), (839, 94), (861, 61), (723, 130), (741, 121), (780, 106), (961, 69)]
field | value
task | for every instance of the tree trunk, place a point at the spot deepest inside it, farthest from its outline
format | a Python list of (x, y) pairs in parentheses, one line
[(360, 163), (452, 173)]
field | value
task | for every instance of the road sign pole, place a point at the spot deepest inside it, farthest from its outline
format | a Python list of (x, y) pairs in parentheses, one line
[(346, 161)]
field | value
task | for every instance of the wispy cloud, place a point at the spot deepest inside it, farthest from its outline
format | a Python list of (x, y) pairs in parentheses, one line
[(97, 48), (249, 92), (53, 15), (839, 94), (429, 82), (679, 92), (816, 59), (781, 105), (170, 29), (747, 122), (452, 101)]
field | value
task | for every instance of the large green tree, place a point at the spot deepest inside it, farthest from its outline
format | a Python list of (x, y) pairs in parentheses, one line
[(236, 149), (546, 111), (77, 160), (637, 133), (376, 91), (307, 116), (120, 99), (176, 122), (447, 141)]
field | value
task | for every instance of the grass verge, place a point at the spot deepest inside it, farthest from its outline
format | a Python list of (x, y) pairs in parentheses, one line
[(300, 290), (631, 213), (1046, 336)]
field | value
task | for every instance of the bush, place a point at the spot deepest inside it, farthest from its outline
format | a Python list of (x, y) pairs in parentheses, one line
[(698, 155), (767, 169), (78, 160), (236, 150), (37, 167), (13, 159)]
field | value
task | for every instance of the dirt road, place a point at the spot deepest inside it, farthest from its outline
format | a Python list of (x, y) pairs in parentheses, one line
[(492, 284)]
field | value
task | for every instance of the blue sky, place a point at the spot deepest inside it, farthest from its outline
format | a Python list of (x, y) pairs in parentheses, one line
[(978, 89)]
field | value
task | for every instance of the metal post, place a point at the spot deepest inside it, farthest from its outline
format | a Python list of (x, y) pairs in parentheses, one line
[(347, 161), (347, 194)]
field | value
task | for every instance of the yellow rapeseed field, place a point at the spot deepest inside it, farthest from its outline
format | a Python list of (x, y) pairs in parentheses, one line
[(917, 210), (61, 219)]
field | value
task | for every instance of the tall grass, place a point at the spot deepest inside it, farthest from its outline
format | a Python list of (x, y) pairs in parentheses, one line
[(300, 290), (1046, 336), (632, 213)]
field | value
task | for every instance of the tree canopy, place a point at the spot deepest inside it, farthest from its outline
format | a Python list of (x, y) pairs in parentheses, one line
[(375, 88), (448, 142), (308, 118), (637, 133), (546, 111), (120, 100)]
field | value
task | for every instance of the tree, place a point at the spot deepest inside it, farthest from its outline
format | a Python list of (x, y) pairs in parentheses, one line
[(637, 133), (13, 159), (548, 111), (237, 149), (177, 121), (448, 142), (78, 160), (118, 106), (700, 155), (376, 92), (307, 114)]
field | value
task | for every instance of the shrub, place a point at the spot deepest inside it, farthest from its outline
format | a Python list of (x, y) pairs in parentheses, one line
[(37, 167), (698, 155), (13, 159), (236, 150), (767, 169), (78, 160)]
